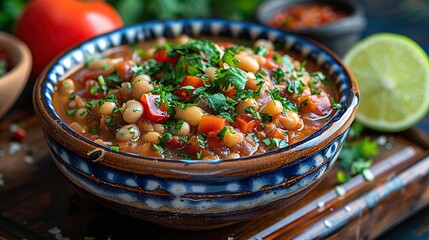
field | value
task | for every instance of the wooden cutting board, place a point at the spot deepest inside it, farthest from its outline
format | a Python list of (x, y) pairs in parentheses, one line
[(37, 202)]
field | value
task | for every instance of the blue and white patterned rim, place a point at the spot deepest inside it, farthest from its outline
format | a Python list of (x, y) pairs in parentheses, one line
[(200, 27)]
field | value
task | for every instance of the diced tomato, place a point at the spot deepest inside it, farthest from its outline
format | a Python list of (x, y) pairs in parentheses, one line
[(124, 70), (151, 111), (225, 44), (269, 54), (175, 143), (318, 104), (246, 123), (192, 81), (278, 133), (162, 56), (230, 93), (211, 123)]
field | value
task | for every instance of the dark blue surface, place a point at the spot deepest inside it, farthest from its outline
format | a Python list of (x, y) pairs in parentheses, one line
[(410, 18)]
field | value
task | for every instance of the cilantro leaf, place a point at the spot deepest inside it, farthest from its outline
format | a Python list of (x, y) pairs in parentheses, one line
[(231, 77)]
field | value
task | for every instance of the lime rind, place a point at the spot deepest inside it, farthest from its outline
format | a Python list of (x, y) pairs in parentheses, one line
[(392, 72)]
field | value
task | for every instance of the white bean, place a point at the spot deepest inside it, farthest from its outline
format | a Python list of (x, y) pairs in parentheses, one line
[(247, 62), (107, 108), (152, 137), (191, 114), (132, 111), (128, 132), (249, 102), (140, 88), (184, 129), (66, 87)]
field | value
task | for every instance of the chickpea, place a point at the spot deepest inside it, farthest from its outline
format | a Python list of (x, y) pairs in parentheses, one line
[(247, 62), (160, 41), (107, 108), (77, 127), (261, 60), (66, 87), (272, 108), (184, 129), (182, 39), (132, 111), (106, 64), (264, 43), (233, 155), (191, 115), (232, 137), (210, 157), (141, 77), (140, 88), (152, 137), (81, 115), (128, 132), (158, 128), (289, 120), (210, 72), (146, 126), (249, 102)]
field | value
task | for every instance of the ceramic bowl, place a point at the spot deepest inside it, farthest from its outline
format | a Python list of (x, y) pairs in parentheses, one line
[(339, 35), (195, 194), (13, 82)]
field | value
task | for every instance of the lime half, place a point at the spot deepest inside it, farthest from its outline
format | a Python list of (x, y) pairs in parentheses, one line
[(392, 72)]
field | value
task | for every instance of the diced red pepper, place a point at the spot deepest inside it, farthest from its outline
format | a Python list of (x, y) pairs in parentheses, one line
[(192, 81), (210, 123), (246, 123), (162, 56), (150, 111)]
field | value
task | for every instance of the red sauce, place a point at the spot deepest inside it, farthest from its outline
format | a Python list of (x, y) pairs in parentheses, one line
[(307, 16)]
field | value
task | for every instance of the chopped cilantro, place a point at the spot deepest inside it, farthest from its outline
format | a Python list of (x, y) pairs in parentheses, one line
[(231, 77), (71, 111), (114, 148)]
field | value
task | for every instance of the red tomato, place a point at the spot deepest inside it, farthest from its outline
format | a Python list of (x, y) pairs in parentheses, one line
[(162, 56), (318, 104), (192, 81), (151, 111), (49, 27)]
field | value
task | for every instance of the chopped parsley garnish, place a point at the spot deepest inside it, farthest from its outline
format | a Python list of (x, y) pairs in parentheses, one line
[(114, 148), (357, 154), (71, 111), (231, 77)]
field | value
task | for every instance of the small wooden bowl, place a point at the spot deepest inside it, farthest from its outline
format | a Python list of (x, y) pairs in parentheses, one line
[(13, 82), (195, 194)]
